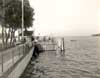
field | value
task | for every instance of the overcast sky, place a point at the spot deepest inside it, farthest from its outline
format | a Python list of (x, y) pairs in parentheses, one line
[(66, 17)]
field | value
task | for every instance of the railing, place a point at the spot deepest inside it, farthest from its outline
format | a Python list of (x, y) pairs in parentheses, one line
[(10, 56), (6, 46)]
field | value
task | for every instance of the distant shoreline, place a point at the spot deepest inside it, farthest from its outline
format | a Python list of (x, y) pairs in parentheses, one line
[(96, 35)]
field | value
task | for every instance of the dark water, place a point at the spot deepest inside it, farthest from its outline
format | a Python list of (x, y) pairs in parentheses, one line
[(81, 60)]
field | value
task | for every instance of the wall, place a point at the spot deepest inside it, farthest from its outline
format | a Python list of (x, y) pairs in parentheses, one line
[(19, 69)]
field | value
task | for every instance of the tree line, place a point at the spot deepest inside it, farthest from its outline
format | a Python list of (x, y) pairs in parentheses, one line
[(11, 18)]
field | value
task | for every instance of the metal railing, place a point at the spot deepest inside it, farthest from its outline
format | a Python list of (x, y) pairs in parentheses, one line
[(10, 56)]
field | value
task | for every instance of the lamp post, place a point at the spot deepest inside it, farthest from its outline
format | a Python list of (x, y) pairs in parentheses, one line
[(22, 18), (2, 65)]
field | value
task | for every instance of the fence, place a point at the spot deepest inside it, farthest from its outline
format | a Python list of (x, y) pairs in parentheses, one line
[(10, 56)]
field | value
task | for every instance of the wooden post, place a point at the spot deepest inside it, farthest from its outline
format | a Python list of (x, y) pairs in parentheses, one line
[(63, 46)]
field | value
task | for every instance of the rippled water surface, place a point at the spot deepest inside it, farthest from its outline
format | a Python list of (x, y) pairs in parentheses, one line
[(81, 60)]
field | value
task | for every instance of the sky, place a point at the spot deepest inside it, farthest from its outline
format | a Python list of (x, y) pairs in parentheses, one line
[(66, 17)]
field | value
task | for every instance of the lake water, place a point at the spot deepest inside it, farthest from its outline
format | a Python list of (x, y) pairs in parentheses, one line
[(81, 60)]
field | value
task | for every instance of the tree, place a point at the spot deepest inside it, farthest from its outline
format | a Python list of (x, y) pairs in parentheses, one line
[(28, 16), (13, 17)]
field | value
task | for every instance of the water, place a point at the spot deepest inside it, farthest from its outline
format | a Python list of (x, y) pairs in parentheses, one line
[(81, 60)]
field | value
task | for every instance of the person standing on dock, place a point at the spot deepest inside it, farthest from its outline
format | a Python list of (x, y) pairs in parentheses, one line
[(36, 50)]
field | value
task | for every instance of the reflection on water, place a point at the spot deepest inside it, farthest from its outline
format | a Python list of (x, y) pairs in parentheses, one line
[(81, 60)]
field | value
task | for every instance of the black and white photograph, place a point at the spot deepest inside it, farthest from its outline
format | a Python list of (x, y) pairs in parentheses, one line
[(49, 38)]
